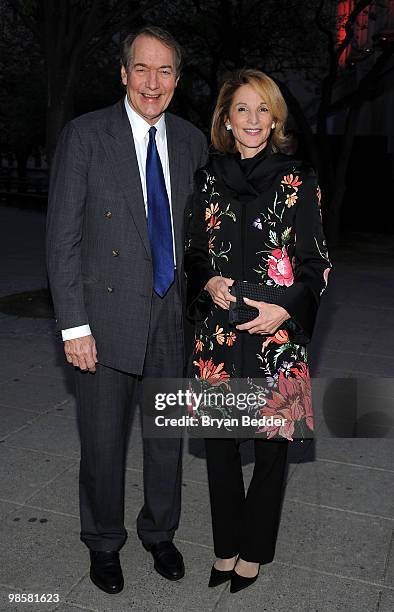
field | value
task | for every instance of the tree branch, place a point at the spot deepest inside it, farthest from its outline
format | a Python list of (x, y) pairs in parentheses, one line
[(114, 21), (367, 85), (28, 22), (360, 6), (325, 30)]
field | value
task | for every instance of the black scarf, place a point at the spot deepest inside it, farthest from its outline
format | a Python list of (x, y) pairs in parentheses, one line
[(247, 179)]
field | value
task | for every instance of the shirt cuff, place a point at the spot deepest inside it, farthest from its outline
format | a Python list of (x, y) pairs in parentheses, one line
[(76, 332)]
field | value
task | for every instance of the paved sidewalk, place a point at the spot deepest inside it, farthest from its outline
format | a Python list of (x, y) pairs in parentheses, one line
[(335, 547)]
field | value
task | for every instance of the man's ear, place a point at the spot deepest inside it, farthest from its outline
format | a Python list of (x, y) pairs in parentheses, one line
[(123, 75), (176, 81)]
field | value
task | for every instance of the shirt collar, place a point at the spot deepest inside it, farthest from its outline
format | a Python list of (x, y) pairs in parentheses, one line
[(140, 127)]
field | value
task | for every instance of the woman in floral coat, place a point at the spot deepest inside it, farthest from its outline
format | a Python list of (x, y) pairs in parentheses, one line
[(255, 216)]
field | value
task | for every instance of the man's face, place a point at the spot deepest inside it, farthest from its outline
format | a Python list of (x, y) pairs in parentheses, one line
[(151, 78)]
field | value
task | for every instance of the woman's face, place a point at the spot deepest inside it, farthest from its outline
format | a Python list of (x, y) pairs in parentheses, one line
[(251, 121)]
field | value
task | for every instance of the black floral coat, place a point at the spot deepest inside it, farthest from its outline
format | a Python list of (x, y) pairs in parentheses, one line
[(258, 220)]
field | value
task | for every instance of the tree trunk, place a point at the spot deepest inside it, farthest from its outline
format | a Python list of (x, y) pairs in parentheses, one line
[(59, 111), (62, 75), (21, 158), (334, 212), (302, 123)]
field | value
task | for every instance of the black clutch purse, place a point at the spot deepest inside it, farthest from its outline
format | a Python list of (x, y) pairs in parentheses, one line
[(242, 313)]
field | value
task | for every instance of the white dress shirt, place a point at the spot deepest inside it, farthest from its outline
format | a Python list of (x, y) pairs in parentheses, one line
[(140, 129)]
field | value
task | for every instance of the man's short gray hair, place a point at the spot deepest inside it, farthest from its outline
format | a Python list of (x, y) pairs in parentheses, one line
[(126, 54)]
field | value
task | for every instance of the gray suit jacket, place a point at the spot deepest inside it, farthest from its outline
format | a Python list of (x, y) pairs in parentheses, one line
[(98, 253)]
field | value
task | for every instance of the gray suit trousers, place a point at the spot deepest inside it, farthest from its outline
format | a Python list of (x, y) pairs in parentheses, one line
[(106, 402)]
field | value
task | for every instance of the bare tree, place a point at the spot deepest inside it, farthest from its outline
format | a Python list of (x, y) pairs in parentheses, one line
[(286, 40), (70, 31), (22, 90), (334, 175)]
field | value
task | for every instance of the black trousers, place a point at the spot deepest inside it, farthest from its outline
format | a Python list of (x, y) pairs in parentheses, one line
[(105, 403), (245, 524)]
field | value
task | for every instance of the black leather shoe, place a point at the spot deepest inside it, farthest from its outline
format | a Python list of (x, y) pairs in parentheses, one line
[(105, 571), (219, 576), (168, 560), (241, 582)]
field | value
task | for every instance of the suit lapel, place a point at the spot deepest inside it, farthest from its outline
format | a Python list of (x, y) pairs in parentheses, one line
[(177, 156), (118, 140)]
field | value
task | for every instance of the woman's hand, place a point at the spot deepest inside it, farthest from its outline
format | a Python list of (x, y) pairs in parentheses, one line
[(218, 289), (269, 319)]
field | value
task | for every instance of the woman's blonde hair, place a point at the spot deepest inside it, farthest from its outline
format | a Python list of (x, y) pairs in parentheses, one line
[(222, 139)]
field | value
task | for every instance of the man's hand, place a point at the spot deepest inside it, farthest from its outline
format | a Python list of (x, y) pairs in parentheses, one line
[(270, 317), (82, 353), (218, 289)]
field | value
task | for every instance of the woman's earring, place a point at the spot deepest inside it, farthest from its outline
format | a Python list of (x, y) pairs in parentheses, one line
[(273, 125), (228, 127)]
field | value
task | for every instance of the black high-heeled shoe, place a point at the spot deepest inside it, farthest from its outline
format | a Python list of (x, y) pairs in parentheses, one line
[(219, 576), (241, 582)]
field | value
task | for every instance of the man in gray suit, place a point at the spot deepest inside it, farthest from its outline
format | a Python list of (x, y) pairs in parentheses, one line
[(119, 183)]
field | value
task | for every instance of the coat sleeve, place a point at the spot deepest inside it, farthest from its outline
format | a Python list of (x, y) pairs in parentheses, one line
[(66, 208), (311, 265), (197, 264)]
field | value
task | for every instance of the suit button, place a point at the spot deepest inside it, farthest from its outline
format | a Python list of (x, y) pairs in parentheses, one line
[(110, 289), (108, 214), (115, 253)]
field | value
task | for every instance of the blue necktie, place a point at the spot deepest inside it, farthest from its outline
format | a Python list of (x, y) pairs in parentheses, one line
[(159, 220)]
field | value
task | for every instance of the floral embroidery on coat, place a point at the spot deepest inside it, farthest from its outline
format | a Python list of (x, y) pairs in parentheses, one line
[(269, 254)]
